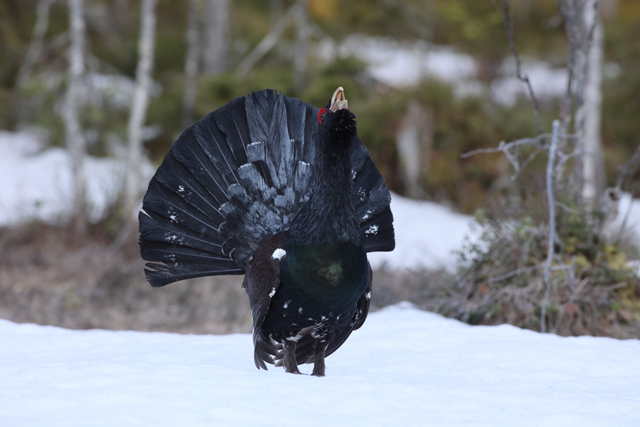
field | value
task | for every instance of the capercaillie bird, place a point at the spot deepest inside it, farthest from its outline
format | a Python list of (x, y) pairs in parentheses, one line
[(273, 188)]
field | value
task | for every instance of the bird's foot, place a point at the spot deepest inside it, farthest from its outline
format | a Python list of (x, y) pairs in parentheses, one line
[(293, 370), (317, 372)]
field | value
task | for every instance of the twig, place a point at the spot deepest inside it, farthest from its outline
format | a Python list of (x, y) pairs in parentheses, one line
[(627, 168), (518, 142), (508, 26), (508, 146), (269, 41), (567, 208), (514, 273), (552, 222)]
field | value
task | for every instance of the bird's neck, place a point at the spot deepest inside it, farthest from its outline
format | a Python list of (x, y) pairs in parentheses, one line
[(329, 213)]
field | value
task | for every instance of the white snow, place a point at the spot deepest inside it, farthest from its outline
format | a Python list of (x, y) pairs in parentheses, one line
[(405, 63), (402, 64), (426, 235), (404, 367), (547, 82), (38, 184), (628, 208)]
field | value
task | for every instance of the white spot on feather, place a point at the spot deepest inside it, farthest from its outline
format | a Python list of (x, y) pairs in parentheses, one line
[(294, 339), (173, 218), (368, 295), (372, 230), (300, 310), (278, 253), (180, 188), (272, 293)]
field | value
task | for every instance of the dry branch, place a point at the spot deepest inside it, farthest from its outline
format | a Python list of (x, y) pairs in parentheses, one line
[(552, 222)]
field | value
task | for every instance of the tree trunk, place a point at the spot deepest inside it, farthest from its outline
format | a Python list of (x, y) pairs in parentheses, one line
[(73, 132), (140, 103), (302, 41), (592, 164), (584, 31), (192, 62), (35, 47), (414, 138), (216, 28)]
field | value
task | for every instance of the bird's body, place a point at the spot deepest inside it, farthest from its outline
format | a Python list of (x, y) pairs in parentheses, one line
[(298, 223)]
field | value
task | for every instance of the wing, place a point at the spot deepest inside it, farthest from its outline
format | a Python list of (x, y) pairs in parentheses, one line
[(372, 201)]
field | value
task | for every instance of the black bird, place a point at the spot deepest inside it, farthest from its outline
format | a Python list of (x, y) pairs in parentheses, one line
[(273, 188)]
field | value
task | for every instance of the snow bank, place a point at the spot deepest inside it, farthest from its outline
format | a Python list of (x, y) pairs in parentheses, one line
[(426, 236), (38, 185), (403, 368)]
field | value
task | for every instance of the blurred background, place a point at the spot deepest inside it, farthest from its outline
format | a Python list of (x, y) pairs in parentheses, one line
[(94, 92)]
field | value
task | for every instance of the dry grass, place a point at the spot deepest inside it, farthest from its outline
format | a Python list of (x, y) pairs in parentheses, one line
[(49, 276)]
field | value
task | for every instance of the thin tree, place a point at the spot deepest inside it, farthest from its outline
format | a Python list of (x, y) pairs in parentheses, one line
[(216, 28), (140, 102), (592, 161), (302, 42), (73, 133), (192, 62), (37, 38), (581, 108)]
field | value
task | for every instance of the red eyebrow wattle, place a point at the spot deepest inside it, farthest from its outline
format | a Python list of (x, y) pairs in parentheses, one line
[(320, 113)]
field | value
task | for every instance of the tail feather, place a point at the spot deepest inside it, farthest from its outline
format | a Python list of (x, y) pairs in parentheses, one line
[(372, 201), (171, 219), (238, 176)]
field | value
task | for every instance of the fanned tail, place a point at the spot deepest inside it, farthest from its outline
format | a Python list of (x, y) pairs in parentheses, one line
[(237, 177)]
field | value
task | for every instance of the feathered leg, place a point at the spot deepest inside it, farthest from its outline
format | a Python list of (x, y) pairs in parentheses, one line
[(289, 359), (319, 347)]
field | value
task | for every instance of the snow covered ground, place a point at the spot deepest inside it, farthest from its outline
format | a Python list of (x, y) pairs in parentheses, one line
[(426, 235), (404, 367), (38, 184)]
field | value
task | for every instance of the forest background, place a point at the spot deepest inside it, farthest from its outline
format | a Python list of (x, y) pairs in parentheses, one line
[(132, 100)]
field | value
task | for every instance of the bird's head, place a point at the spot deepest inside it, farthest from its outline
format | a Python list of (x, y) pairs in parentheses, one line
[(336, 120)]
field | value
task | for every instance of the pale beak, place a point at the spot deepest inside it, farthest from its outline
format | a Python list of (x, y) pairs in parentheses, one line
[(338, 101)]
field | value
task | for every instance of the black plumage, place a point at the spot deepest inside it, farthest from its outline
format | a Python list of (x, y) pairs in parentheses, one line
[(273, 188)]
